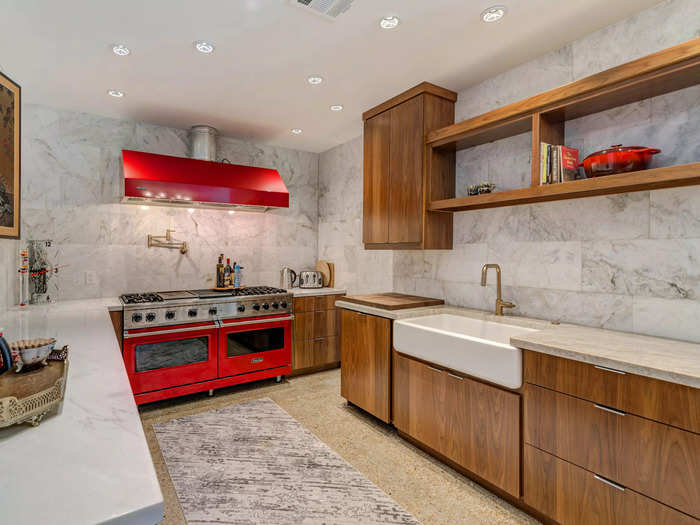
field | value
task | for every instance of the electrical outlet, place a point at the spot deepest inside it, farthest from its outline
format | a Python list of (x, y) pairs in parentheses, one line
[(91, 277)]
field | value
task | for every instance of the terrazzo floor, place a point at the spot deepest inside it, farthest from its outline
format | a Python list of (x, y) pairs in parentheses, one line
[(434, 493)]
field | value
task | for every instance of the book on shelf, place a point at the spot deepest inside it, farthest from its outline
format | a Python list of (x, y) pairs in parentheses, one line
[(558, 163)]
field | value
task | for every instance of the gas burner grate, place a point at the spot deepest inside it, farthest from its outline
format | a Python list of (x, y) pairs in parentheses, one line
[(257, 290), (136, 298)]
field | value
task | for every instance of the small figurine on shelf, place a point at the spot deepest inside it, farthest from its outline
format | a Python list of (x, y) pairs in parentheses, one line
[(478, 189)]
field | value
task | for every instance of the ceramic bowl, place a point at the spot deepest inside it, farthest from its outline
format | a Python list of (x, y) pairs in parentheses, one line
[(28, 353)]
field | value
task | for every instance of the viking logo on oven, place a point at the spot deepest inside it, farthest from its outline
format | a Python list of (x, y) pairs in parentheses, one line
[(257, 360)]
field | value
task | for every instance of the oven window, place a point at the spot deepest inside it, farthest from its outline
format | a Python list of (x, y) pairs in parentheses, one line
[(242, 343), (164, 354)]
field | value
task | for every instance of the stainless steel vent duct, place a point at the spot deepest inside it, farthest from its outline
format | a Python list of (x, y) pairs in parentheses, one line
[(203, 142)]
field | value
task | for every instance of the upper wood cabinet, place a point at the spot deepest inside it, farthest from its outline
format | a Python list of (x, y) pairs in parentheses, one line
[(399, 179)]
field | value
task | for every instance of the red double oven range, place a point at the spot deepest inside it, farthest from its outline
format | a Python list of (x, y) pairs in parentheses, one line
[(182, 342)]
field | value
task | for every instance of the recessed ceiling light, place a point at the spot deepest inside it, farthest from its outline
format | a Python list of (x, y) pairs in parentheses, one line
[(115, 93), (336, 107), (204, 47), (190, 210), (297, 131), (144, 207), (389, 22), (121, 50), (231, 212), (493, 14), (314, 80)]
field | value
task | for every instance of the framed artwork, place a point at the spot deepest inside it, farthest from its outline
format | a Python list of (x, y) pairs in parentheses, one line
[(10, 106)]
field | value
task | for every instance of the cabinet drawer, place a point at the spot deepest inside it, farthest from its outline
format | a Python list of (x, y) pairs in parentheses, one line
[(315, 303), (313, 325), (316, 352), (657, 460), (574, 496), (670, 403), (475, 425)]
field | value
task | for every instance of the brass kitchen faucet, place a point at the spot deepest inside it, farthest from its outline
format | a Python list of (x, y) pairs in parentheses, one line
[(500, 303)]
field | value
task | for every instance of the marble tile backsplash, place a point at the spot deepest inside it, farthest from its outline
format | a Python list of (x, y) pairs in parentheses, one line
[(71, 186), (626, 262)]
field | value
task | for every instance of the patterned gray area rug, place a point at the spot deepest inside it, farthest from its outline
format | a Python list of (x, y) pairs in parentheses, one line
[(252, 463)]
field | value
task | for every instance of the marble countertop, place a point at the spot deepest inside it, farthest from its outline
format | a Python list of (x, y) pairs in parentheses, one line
[(309, 292), (90, 463), (666, 359)]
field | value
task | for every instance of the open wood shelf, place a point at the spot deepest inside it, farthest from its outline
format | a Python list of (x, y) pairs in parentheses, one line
[(681, 175), (669, 70)]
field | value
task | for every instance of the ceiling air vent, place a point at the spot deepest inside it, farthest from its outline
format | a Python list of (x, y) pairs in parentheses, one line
[(329, 8)]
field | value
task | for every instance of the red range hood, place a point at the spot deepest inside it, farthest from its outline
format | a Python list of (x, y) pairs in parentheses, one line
[(178, 181)]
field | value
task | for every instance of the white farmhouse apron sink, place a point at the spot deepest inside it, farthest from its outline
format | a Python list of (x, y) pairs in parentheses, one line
[(478, 348)]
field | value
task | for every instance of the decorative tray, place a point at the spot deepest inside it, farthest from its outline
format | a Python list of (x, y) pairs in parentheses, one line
[(26, 397)]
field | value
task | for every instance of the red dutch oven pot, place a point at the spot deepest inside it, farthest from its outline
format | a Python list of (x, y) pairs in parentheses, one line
[(618, 159)]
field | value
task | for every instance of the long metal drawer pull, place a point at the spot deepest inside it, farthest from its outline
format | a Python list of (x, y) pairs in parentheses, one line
[(610, 370), (163, 332), (433, 368), (455, 376), (608, 482), (611, 410), (258, 321)]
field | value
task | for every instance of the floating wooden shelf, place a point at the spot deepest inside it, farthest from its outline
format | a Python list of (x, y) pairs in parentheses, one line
[(668, 70), (681, 175), (545, 115)]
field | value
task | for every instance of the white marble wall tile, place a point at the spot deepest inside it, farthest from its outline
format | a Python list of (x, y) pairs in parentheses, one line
[(470, 295), (656, 267), (594, 309), (546, 72), (675, 213), (649, 31), (552, 265), (505, 162), (511, 223), (624, 216), (463, 263), (673, 318)]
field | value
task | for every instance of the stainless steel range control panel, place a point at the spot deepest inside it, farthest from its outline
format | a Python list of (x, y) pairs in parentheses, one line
[(163, 314)]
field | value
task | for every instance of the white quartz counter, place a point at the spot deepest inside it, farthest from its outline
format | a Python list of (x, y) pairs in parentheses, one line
[(665, 359), (308, 292), (90, 463)]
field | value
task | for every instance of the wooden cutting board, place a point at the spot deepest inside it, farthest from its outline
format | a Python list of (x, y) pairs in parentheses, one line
[(393, 301)]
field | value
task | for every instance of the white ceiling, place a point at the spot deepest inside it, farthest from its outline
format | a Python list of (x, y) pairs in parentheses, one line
[(254, 85)]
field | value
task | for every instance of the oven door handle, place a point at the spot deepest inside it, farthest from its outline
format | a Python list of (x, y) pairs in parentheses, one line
[(259, 321), (127, 335)]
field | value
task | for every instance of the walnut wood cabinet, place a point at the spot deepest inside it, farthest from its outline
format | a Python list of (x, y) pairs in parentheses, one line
[(316, 333), (586, 426), (471, 423), (571, 495), (365, 374), (399, 179)]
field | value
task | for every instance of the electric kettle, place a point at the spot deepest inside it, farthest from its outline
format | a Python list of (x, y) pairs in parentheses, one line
[(287, 278)]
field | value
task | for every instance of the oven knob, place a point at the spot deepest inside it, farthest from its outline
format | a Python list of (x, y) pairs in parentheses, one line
[(151, 317), (241, 308), (266, 306), (192, 313), (283, 304), (212, 311), (256, 307), (275, 305), (170, 315), (137, 318)]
